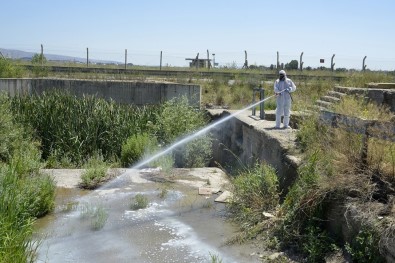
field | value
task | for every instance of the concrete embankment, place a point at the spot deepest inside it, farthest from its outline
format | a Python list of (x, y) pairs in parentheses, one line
[(248, 139), (128, 92)]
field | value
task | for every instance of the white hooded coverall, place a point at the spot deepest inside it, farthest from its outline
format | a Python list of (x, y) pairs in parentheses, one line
[(283, 99)]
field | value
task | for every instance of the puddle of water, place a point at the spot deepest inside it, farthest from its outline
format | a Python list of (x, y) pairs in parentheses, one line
[(181, 227)]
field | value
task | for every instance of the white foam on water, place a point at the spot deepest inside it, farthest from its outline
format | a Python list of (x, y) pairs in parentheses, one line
[(186, 239)]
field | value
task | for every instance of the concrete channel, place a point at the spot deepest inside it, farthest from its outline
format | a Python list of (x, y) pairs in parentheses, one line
[(180, 226)]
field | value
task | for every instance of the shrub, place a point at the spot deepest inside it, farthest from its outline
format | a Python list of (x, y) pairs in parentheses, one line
[(255, 191), (24, 193), (177, 119), (364, 247), (8, 70), (98, 216), (140, 201), (136, 147), (95, 173)]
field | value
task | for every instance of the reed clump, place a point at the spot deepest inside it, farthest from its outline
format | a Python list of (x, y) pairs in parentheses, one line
[(73, 129), (25, 193)]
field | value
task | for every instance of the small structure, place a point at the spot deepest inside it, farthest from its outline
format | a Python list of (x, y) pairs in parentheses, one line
[(199, 62)]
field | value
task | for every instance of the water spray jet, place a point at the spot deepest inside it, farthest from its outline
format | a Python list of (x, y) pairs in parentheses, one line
[(195, 134)]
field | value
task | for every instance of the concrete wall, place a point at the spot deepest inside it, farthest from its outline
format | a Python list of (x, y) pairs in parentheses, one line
[(384, 97), (129, 92), (241, 140)]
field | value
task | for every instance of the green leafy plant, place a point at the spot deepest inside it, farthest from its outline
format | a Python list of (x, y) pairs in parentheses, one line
[(178, 119), (139, 201), (255, 191), (9, 70), (215, 258), (136, 147), (96, 214), (364, 248), (95, 173), (24, 193)]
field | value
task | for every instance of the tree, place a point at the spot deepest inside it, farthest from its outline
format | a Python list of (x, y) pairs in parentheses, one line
[(294, 64)]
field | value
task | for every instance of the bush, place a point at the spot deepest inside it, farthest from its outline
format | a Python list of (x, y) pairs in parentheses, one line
[(8, 70), (136, 147), (98, 216), (24, 193), (95, 173), (140, 201), (178, 119), (255, 191)]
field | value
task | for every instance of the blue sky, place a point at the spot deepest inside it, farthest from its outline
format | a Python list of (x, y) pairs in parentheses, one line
[(350, 29)]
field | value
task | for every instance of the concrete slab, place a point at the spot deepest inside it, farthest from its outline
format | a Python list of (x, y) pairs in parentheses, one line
[(205, 191), (225, 197)]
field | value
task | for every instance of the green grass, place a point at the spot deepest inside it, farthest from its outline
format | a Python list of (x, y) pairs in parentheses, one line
[(96, 214), (255, 190), (95, 173), (25, 194), (75, 129), (139, 201)]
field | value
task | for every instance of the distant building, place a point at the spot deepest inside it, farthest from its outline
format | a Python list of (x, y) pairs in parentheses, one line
[(199, 62)]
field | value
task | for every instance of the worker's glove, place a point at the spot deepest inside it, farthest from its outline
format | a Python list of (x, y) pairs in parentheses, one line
[(288, 89)]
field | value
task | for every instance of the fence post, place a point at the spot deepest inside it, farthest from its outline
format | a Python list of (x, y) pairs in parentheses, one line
[(126, 57), (262, 104), (160, 65), (332, 64), (364, 148), (42, 55)]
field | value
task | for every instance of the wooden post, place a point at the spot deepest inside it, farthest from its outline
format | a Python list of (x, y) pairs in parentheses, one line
[(301, 62), (160, 67), (126, 58), (87, 57), (363, 64)]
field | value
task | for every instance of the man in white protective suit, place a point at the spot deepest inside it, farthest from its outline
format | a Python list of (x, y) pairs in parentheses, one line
[(283, 86)]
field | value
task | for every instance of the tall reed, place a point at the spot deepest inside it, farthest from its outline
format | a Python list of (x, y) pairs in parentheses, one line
[(79, 128)]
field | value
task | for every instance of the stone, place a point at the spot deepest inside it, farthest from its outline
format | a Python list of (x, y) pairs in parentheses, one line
[(205, 191)]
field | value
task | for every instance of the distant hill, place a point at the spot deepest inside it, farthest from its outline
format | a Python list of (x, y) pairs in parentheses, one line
[(23, 55)]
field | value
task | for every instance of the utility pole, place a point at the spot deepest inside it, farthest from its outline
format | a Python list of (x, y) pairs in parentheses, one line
[(87, 57)]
